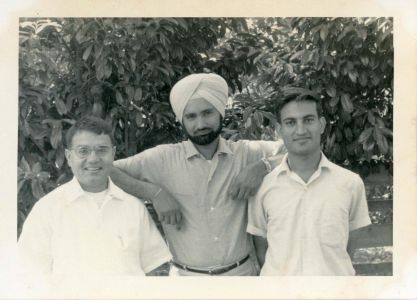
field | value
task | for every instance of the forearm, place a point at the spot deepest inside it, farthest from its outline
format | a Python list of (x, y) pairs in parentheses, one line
[(138, 188), (275, 160), (261, 245)]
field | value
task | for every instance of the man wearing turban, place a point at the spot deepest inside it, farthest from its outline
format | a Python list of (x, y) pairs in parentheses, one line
[(198, 179)]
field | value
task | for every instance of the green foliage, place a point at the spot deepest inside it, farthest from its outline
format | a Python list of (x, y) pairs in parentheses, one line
[(347, 63)]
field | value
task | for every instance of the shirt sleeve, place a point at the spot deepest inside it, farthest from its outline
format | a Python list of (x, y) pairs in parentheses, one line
[(358, 214), (34, 244), (154, 251), (146, 165), (257, 219), (259, 149)]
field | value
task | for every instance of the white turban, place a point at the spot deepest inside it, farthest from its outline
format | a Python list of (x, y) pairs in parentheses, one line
[(210, 87)]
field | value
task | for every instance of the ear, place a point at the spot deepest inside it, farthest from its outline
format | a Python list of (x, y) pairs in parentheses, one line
[(322, 124), (68, 155), (113, 149)]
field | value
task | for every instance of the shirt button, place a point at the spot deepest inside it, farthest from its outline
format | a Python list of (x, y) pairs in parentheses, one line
[(216, 238), (211, 208)]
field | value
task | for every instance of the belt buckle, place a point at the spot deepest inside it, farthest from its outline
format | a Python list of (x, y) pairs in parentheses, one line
[(211, 269)]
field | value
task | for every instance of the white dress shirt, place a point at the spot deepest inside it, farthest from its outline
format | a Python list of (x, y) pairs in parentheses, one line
[(307, 224), (68, 232)]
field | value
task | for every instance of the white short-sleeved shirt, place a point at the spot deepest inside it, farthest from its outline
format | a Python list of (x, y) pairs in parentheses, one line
[(213, 232), (307, 224), (68, 233)]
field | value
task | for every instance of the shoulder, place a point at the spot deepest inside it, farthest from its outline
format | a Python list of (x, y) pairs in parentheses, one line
[(347, 177), (164, 149), (53, 199), (129, 200), (256, 145)]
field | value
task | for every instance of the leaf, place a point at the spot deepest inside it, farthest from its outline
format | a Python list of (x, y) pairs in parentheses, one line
[(60, 107), (344, 32), (43, 176), (87, 52), (258, 118), (119, 98), (59, 157), (364, 60), (346, 103), (130, 92), (37, 189), (36, 168), (323, 32), (364, 136), (363, 80), (25, 165), (371, 117), (297, 55), (333, 102), (248, 123), (386, 131), (138, 119), (352, 76), (56, 135), (381, 141), (246, 113), (138, 94), (331, 90)]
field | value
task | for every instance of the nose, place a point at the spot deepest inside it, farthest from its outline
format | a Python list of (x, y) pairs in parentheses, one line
[(301, 129), (93, 156), (201, 123)]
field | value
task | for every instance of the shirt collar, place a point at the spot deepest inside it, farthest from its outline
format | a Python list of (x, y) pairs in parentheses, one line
[(74, 190), (191, 150), (284, 167)]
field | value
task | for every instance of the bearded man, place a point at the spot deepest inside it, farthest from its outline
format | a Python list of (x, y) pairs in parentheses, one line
[(197, 180)]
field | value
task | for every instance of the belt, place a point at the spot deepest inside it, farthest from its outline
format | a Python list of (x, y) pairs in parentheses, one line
[(212, 271)]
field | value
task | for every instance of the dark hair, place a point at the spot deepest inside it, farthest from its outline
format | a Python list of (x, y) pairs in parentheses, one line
[(298, 98), (91, 124)]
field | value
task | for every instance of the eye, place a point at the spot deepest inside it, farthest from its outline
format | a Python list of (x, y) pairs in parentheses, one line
[(309, 120), (207, 112), (102, 150), (290, 122), (83, 151), (190, 117)]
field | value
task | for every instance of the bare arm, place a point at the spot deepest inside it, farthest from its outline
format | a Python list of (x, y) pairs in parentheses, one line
[(166, 206), (247, 183), (354, 236), (261, 245)]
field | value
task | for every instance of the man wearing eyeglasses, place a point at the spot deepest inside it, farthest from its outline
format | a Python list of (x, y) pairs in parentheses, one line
[(89, 226)]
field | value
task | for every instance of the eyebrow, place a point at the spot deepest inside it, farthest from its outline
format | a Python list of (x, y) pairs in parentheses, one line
[(304, 117)]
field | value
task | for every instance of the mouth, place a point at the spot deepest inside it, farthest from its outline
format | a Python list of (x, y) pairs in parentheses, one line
[(302, 139), (92, 169), (202, 132)]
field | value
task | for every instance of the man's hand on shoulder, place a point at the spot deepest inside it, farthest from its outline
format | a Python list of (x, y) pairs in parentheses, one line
[(247, 183), (167, 208)]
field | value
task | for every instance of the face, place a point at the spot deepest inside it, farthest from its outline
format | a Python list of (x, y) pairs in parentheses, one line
[(91, 158), (301, 127), (201, 122)]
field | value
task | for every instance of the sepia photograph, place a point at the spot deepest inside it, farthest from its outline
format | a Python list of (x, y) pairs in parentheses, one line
[(157, 147)]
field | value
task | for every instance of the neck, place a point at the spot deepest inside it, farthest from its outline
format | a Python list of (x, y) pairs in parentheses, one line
[(208, 150), (304, 165), (95, 188)]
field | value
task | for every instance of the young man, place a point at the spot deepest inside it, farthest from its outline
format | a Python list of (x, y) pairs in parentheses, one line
[(199, 173), (89, 226), (307, 207)]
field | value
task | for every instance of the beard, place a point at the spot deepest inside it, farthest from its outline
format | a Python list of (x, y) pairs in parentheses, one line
[(204, 139)]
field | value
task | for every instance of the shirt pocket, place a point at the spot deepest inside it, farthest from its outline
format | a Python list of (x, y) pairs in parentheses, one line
[(334, 229)]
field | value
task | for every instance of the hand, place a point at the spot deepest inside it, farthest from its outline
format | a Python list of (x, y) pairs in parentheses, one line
[(247, 183), (168, 209)]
